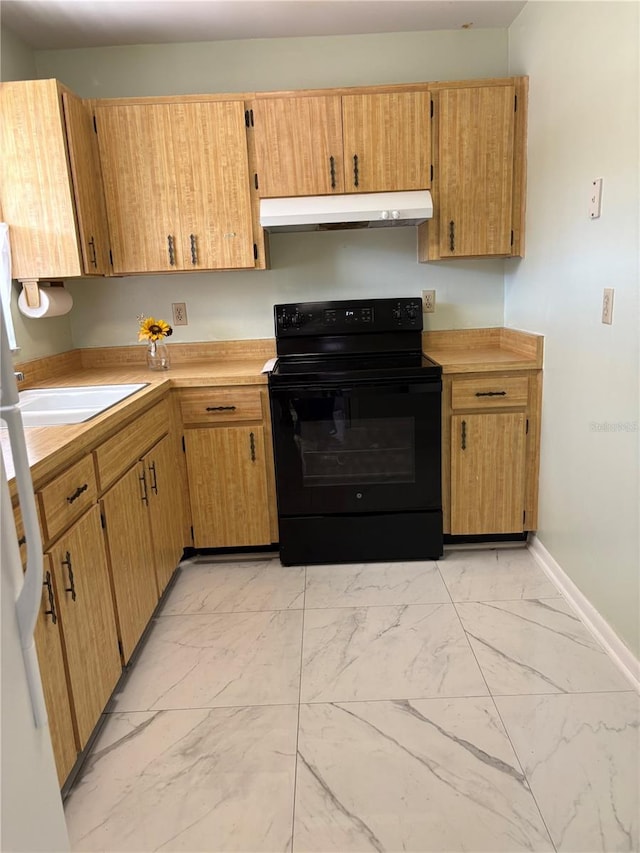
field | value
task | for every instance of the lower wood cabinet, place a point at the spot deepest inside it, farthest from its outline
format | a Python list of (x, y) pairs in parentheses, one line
[(487, 473), (48, 639), (79, 568), (126, 513), (490, 452), (164, 491), (227, 473)]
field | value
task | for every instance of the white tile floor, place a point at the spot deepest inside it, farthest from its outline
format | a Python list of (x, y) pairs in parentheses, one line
[(457, 706)]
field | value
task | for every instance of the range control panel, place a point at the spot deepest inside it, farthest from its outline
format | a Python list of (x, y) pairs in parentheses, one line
[(348, 317)]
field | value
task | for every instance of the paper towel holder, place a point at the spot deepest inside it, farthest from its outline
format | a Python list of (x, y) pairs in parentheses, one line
[(31, 287)]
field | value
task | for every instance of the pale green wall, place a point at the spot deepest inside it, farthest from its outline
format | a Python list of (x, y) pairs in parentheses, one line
[(35, 337), (583, 123), (305, 266)]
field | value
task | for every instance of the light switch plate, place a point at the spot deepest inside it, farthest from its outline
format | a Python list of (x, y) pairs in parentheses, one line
[(595, 199), (607, 305)]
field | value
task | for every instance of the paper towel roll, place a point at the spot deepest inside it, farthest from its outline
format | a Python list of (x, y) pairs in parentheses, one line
[(54, 301)]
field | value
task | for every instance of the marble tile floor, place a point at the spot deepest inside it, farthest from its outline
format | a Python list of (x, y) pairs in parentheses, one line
[(450, 706)]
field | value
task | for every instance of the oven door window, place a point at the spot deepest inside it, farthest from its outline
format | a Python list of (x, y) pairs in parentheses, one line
[(357, 449)]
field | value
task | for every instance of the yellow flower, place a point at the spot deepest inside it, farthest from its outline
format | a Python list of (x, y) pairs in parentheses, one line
[(152, 329)]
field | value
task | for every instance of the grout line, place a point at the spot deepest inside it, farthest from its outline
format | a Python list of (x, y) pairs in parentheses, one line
[(295, 772), (230, 612)]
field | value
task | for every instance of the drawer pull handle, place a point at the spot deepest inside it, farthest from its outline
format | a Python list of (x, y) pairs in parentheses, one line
[(143, 480), (154, 484), (356, 171), (77, 493), (452, 236), (491, 393), (252, 446), (194, 250), (52, 605), (220, 409), (171, 250), (72, 587), (332, 170), (22, 541), (94, 257), (463, 436)]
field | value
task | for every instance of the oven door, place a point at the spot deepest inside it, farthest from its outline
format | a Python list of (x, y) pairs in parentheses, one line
[(357, 448)]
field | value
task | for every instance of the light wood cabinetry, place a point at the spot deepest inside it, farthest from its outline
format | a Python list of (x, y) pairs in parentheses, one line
[(365, 142), (79, 567), (176, 179), (125, 509), (478, 187), (227, 443), (490, 443), (67, 497), (50, 188), (299, 146), (48, 640), (165, 509)]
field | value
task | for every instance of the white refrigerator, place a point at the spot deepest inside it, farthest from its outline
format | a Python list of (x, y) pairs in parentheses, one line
[(31, 816)]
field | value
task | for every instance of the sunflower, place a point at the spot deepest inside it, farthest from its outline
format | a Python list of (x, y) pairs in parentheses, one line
[(152, 329)]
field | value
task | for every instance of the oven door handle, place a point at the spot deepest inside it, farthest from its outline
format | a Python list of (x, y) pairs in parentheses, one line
[(375, 387)]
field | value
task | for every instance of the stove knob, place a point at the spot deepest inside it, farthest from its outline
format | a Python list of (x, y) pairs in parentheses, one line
[(396, 313), (411, 312)]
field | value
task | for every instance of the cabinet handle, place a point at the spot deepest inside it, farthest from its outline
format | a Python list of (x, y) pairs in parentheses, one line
[(220, 409), (143, 480), (463, 436), (332, 169), (72, 587), (452, 236), (194, 250), (491, 393), (22, 541), (355, 171), (170, 247), (154, 484), (92, 245), (52, 604), (77, 493), (252, 446)]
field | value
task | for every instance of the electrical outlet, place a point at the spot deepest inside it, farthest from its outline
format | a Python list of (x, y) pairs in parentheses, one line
[(428, 301), (607, 305), (179, 310)]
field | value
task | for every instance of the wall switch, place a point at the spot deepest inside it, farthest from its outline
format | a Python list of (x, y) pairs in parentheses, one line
[(428, 301), (595, 199), (179, 310), (607, 305)]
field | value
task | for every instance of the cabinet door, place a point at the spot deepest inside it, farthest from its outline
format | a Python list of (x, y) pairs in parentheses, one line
[(487, 473), (140, 186), (390, 136), (165, 510), (37, 196), (475, 170), (87, 185), (57, 697), (79, 567), (212, 171), (228, 486), (299, 146), (125, 508)]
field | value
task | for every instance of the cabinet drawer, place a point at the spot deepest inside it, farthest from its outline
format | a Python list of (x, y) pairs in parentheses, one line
[(64, 499), (220, 405), (489, 392), (119, 452)]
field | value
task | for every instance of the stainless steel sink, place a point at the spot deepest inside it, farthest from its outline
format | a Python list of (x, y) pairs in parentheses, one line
[(71, 405)]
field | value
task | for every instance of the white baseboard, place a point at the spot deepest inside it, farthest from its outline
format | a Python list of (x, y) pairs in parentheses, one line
[(621, 654)]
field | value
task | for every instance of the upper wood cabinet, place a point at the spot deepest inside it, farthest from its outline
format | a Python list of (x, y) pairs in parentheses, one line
[(298, 146), (321, 145), (478, 186), (50, 189), (176, 180)]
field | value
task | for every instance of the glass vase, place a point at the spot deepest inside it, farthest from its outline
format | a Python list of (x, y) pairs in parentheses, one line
[(158, 356)]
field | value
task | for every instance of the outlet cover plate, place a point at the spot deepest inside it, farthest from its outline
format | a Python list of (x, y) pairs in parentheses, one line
[(179, 311)]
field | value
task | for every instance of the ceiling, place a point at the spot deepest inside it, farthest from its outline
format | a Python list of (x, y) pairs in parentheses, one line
[(58, 24)]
